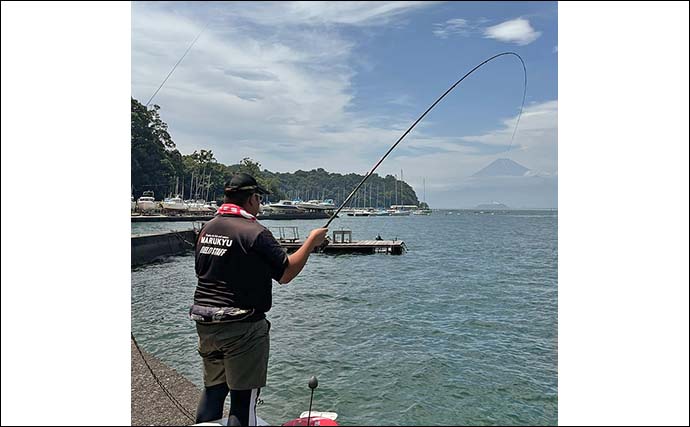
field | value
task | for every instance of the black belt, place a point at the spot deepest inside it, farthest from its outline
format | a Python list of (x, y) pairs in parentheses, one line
[(204, 314)]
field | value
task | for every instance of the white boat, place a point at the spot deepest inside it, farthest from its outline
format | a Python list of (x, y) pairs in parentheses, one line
[(359, 212), (146, 202), (311, 204), (198, 206), (423, 211), (285, 206), (328, 204), (402, 210), (316, 206), (174, 204)]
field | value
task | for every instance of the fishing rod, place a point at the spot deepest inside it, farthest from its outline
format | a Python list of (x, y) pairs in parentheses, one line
[(524, 93)]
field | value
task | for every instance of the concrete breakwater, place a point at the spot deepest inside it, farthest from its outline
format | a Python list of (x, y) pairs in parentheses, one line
[(148, 248)]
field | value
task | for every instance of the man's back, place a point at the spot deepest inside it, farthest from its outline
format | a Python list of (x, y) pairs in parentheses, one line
[(236, 260)]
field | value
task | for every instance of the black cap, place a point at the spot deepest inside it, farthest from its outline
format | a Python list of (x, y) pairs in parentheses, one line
[(244, 182)]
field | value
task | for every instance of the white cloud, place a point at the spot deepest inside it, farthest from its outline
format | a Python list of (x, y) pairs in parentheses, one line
[(234, 79), (452, 26), (459, 27), (359, 13), (402, 100), (517, 31)]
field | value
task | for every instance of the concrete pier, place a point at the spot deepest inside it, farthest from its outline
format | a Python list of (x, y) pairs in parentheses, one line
[(150, 405)]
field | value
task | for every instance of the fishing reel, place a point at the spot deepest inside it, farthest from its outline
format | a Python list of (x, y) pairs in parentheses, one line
[(322, 246)]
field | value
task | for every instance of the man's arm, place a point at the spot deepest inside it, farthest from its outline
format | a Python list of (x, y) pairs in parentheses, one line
[(297, 260)]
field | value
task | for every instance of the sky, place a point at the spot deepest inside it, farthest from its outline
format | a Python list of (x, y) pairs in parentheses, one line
[(303, 85)]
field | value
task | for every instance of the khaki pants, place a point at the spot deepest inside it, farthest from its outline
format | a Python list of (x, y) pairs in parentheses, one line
[(235, 353)]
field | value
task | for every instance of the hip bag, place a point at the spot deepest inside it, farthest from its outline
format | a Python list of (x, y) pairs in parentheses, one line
[(204, 314)]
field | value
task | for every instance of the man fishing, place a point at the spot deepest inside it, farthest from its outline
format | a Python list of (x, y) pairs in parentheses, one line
[(234, 287), (236, 260)]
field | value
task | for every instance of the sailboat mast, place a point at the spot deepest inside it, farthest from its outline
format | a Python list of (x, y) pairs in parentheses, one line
[(208, 186), (402, 202)]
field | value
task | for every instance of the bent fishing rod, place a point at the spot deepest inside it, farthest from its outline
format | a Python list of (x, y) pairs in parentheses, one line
[(371, 172)]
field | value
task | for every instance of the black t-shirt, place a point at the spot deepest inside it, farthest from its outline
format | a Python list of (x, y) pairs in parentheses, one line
[(236, 260)]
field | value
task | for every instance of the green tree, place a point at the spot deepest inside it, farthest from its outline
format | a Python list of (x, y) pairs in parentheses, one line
[(154, 160), (157, 165), (253, 168)]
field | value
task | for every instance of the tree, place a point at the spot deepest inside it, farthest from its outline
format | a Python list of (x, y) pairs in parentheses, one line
[(253, 168), (157, 165)]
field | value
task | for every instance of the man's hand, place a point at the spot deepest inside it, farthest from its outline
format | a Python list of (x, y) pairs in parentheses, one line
[(317, 237), (297, 260)]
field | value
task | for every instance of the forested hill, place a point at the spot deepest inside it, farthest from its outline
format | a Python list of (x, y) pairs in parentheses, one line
[(320, 184), (158, 166)]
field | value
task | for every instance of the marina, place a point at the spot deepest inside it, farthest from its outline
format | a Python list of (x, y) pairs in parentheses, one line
[(206, 217)]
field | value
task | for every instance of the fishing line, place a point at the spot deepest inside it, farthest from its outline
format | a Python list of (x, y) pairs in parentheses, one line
[(175, 66), (425, 113), (172, 398)]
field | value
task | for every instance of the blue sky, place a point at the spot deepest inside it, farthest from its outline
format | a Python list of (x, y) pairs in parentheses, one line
[(304, 85)]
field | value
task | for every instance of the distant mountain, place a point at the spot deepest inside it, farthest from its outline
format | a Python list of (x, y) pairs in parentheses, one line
[(492, 205), (503, 167)]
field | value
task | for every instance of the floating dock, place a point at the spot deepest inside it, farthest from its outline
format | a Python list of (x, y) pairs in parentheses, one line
[(393, 247), (341, 242)]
